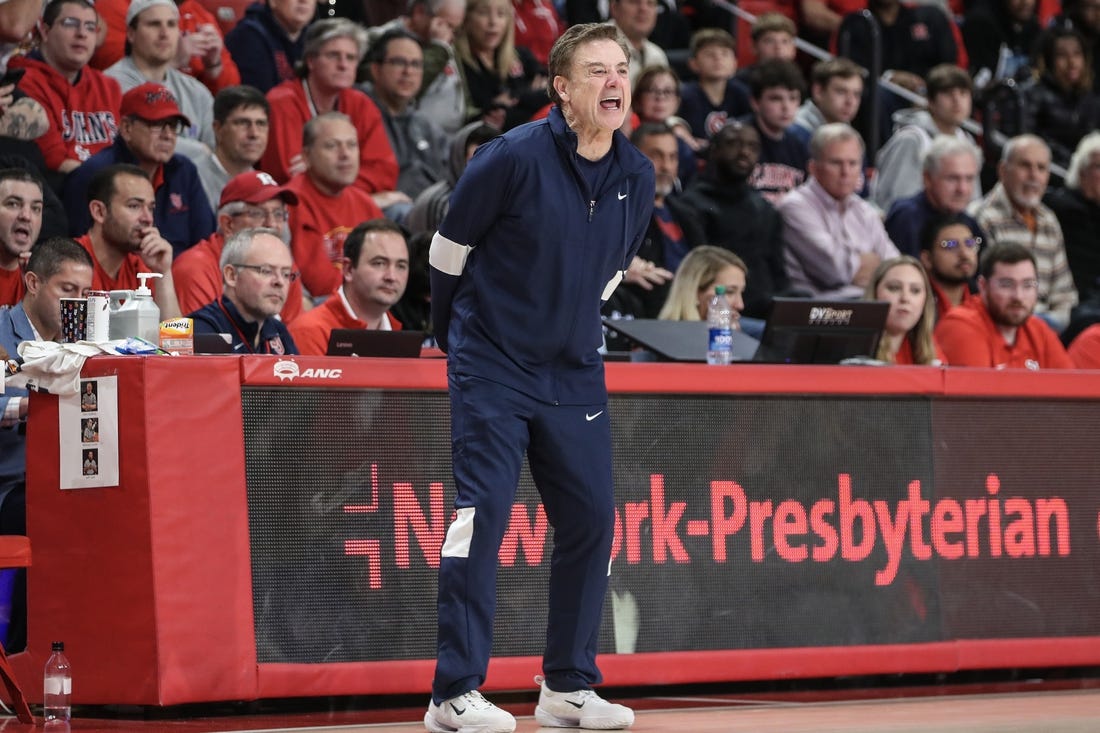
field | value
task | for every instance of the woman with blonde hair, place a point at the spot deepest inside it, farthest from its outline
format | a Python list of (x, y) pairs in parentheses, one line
[(703, 269), (907, 337), (504, 83)]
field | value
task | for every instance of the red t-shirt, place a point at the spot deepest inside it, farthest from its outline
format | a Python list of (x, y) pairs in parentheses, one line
[(126, 279), (319, 224), (905, 353), (537, 26), (192, 16), (1085, 349), (969, 337), (112, 14), (311, 331), (290, 110), (198, 279), (12, 287), (944, 304)]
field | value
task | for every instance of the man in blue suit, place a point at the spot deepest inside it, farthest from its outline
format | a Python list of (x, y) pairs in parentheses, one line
[(58, 268)]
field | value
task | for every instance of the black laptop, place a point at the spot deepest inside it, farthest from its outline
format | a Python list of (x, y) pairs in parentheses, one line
[(213, 343), (363, 342), (802, 331), (678, 340)]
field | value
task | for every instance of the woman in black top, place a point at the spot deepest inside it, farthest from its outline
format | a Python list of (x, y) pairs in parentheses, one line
[(505, 86)]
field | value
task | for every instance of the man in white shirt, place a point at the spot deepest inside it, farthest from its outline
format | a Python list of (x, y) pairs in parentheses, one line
[(834, 239)]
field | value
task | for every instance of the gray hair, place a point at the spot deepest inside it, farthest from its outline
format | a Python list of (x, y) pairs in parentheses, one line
[(1021, 141), (565, 48), (322, 31), (834, 132), (1088, 147), (309, 130), (231, 209), (946, 146), (237, 246)]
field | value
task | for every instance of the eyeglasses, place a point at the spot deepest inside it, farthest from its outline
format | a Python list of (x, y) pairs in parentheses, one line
[(350, 58), (257, 214), (404, 64), (173, 125), (72, 24), (1008, 284), (971, 243), (267, 271)]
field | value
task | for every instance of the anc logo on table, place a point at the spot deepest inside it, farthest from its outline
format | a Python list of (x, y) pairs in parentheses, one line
[(287, 371)]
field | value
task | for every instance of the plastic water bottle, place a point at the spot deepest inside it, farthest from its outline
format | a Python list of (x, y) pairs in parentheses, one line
[(719, 319), (58, 687)]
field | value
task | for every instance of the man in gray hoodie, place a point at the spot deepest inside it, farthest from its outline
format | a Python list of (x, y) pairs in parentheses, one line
[(430, 206), (950, 98)]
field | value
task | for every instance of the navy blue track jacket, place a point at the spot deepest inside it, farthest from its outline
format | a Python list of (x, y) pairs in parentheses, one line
[(527, 253)]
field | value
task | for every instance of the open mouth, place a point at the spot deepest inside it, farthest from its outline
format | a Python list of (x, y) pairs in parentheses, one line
[(611, 103)]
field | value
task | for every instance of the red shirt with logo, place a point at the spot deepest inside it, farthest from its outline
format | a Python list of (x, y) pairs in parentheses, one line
[(969, 337), (83, 115), (319, 224)]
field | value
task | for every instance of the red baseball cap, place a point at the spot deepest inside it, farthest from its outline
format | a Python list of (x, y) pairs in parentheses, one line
[(153, 102), (255, 187)]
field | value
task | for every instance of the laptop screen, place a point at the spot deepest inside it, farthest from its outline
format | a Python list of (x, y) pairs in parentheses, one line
[(362, 342), (213, 343), (802, 331)]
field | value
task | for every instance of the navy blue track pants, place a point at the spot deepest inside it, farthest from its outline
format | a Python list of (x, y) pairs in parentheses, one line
[(569, 452)]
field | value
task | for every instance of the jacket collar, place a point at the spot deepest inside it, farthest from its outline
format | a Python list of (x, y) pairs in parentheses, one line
[(566, 141)]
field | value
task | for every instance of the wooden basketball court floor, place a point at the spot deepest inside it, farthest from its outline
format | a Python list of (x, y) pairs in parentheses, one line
[(913, 710)]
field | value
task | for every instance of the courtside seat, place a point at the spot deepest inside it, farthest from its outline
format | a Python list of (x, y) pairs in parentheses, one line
[(15, 552)]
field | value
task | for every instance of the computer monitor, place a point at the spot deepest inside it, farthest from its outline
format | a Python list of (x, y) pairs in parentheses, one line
[(802, 331)]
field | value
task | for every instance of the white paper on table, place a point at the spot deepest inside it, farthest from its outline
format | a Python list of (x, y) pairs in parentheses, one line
[(87, 427)]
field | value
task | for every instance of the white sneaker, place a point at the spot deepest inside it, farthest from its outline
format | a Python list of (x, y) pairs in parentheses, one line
[(468, 713), (580, 709)]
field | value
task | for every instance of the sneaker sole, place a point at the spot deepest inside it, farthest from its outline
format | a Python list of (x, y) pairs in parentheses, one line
[(436, 727), (550, 720)]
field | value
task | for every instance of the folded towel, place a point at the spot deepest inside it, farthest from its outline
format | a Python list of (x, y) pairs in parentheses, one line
[(54, 368)]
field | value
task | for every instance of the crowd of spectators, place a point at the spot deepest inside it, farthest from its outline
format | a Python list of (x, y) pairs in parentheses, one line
[(158, 132)]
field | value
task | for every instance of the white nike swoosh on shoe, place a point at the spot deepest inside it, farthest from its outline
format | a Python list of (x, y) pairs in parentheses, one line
[(590, 418)]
